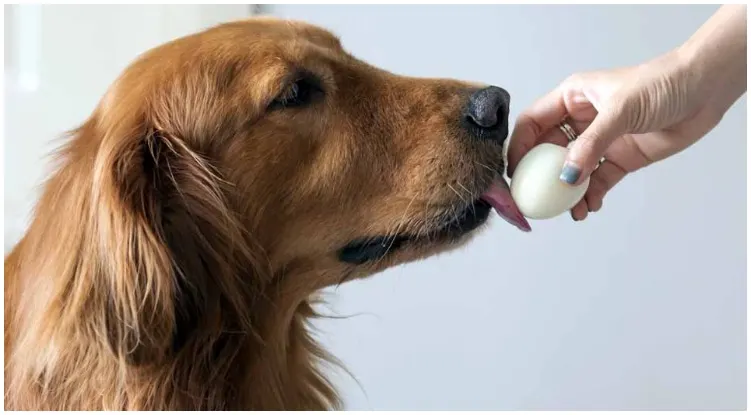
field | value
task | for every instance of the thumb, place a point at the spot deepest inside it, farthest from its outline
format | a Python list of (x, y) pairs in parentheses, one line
[(587, 150)]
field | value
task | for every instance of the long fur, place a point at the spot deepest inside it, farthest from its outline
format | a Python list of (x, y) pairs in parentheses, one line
[(175, 254), (113, 291)]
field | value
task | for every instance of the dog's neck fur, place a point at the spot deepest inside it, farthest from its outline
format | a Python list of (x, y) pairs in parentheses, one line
[(275, 367)]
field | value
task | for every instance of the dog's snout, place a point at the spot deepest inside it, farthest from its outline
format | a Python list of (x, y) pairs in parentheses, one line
[(487, 113)]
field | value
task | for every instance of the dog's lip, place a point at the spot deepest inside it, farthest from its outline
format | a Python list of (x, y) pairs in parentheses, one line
[(461, 223), (498, 195)]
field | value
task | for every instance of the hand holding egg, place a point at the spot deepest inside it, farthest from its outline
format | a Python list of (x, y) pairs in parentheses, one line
[(536, 187)]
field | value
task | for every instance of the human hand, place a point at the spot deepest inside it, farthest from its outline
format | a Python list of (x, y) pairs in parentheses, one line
[(632, 116)]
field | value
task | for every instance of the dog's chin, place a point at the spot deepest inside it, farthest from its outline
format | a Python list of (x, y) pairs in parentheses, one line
[(398, 248)]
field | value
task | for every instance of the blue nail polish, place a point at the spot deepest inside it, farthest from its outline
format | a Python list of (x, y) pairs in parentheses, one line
[(570, 174)]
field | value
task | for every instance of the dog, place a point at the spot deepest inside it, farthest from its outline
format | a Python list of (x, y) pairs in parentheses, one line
[(222, 181)]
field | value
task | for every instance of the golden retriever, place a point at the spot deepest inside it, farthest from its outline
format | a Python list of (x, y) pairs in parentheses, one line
[(224, 178)]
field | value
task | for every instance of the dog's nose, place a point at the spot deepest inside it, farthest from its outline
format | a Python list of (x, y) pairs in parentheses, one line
[(487, 113)]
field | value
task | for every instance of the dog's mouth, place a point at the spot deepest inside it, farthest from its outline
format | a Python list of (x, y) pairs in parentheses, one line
[(459, 224)]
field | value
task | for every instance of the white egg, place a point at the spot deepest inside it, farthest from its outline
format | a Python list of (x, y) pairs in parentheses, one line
[(536, 188)]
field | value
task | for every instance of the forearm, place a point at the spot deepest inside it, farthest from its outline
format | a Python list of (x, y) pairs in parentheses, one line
[(716, 54)]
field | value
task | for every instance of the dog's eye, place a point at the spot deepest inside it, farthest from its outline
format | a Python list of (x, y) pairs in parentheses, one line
[(297, 94)]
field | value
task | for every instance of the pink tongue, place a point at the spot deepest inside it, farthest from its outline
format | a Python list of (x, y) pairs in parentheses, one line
[(499, 196)]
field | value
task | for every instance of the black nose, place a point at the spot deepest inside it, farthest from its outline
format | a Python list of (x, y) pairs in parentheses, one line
[(487, 112)]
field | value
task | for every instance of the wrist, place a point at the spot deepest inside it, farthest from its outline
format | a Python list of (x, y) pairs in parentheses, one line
[(715, 56), (716, 73), (692, 58)]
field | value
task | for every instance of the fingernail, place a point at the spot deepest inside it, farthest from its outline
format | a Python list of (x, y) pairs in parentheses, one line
[(570, 173)]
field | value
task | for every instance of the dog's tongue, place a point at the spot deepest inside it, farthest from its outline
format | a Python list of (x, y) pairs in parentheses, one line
[(499, 196)]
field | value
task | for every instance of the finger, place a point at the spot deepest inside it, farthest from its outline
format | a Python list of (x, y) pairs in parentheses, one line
[(601, 181), (589, 148), (604, 178), (543, 115), (579, 211), (553, 136), (594, 202), (578, 106)]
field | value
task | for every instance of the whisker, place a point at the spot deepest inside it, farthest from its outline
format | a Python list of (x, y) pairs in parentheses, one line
[(465, 189), (395, 232), (399, 224), (485, 166), (427, 209), (457, 193)]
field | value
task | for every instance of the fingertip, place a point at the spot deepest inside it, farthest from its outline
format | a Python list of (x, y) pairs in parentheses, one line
[(579, 211), (594, 195), (570, 173), (573, 175), (594, 204)]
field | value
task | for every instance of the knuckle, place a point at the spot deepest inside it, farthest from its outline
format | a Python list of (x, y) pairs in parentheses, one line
[(587, 147)]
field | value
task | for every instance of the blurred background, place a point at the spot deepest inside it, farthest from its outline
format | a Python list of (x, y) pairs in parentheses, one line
[(641, 306)]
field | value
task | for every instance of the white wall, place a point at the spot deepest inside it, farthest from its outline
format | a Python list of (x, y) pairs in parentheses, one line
[(642, 306), (59, 60)]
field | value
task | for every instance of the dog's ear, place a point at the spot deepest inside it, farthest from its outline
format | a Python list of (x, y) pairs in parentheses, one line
[(172, 252)]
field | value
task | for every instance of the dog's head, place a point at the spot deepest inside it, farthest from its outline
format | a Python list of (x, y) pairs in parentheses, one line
[(329, 164), (260, 154)]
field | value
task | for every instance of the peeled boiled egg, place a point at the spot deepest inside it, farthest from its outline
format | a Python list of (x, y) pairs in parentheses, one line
[(536, 188)]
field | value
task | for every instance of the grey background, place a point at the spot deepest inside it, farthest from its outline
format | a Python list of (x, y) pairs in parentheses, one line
[(642, 306)]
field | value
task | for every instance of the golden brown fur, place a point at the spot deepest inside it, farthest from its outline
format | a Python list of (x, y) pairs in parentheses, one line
[(175, 254)]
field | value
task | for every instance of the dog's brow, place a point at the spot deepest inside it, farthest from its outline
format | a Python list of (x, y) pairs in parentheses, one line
[(227, 74)]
